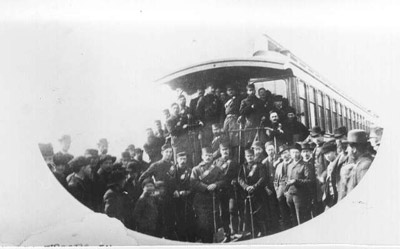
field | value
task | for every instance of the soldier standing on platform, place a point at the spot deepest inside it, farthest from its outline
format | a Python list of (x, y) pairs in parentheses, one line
[(250, 114), (229, 170), (204, 181), (231, 120), (252, 180), (183, 198)]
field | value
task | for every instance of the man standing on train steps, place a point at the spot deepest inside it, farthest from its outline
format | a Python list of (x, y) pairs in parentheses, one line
[(275, 132), (294, 130), (231, 121)]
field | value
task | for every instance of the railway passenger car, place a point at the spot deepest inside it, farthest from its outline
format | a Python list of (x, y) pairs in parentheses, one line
[(316, 100)]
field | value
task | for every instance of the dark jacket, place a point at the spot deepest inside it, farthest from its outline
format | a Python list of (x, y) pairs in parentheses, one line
[(162, 171), (145, 215), (209, 109), (81, 189), (252, 175), (117, 204), (229, 170), (153, 148), (300, 172), (252, 109)]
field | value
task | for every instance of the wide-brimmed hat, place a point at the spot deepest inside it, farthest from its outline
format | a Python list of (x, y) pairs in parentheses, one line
[(257, 144), (116, 176), (357, 136), (78, 162), (295, 146), (283, 148), (316, 131), (340, 132), (328, 147), (306, 146), (107, 157)]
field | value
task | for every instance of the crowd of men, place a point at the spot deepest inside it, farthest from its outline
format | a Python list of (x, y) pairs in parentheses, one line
[(230, 165)]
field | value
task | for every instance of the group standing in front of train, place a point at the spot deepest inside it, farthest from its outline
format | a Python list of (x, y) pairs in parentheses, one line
[(230, 165)]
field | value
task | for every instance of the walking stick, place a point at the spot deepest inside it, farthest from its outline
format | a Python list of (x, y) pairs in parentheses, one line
[(251, 216), (218, 234)]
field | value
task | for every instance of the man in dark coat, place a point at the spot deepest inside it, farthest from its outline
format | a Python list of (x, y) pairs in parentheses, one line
[(163, 171), (307, 156), (100, 180), (272, 206), (209, 111), (183, 198), (294, 130), (63, 157), (145, 213), (275, 131), (204, 180), (330, 197), (193, 102), (59, 169), (79, 184), (250, 111), (231, 120), (297, 195), (252, 180), (226, 195), (116, 201), (153, 144), (102, 146)]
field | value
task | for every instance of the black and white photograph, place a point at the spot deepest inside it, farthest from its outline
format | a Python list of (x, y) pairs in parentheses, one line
[(199, 123)]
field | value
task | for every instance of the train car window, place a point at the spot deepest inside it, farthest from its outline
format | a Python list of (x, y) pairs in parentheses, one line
[(321, 115), (313, 117), (339, 112), (277, 87), (303, 102), (334, 114), (328, 114), (345, 117)]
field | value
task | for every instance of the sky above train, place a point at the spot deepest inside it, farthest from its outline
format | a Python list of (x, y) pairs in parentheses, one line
[(88, 69)]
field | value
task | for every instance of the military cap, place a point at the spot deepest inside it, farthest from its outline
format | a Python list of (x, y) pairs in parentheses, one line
[(316, 131), (257, 144), (328, 147), (291, 110), (116, 176), (147, 181), (340, 132), (181, 154), (65, 138), (296, 146), (107, 157), (165, 147), (278, 98), (91, 153), (224, 145), (102, 141), (78, 162), (357, 136), (249, 151), (206, 150), (283, 148), (125, 155), (306, 146)]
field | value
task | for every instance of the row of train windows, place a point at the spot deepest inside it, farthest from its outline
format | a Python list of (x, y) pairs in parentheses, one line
[(326, 112)]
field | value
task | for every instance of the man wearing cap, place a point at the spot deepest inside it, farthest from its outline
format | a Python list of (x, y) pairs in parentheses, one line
[(272, 206), (183, 198), (153, 146), (116, 201), (79, 184), (226, 195), (357, 150), (250, 114), (330, 196), (297, 195), (320, 164), (218, 138), (294, 130), (63, 157), (280, 181), (162, 171), (252, 180), (209, 110), (204, 180), (232, 114)]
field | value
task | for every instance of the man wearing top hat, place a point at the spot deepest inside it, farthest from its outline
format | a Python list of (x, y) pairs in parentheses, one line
[(272, 206), (358, 152), (163, 173), (63, 157), (229, 169), (79, 184), (280, 181), (320, 164), (183, 198), (252, 180), (204, 180), (297, 186)]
